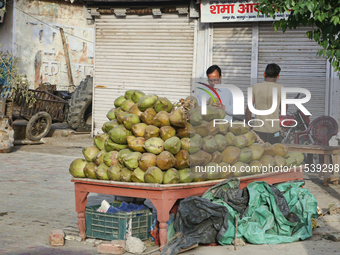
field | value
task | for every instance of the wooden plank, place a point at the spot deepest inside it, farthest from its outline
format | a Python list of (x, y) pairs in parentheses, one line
[(67, 59)]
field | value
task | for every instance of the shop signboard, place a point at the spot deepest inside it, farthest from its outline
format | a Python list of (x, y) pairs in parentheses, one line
[(234, 11)]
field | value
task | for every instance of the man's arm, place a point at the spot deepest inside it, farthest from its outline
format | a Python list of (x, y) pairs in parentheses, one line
[(248, 113)]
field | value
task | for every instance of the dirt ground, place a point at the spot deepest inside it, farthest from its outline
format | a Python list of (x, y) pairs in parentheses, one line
[(37, 196)]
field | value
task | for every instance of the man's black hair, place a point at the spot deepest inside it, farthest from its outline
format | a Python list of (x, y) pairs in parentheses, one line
[(272, 70), (213, 68)]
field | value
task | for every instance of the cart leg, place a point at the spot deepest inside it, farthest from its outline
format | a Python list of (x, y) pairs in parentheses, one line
[(81, 200), (336, 166), (326, 176), (163, 207)]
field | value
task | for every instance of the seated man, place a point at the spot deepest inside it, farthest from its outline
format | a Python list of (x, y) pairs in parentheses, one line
[(214, 75)]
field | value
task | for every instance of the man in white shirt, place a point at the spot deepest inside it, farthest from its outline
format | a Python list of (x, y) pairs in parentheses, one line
[(214, 75)]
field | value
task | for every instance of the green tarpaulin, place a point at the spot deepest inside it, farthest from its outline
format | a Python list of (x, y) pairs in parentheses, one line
[(263, 221)]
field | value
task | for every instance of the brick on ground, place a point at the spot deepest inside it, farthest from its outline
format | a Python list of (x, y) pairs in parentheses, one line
[(57, 237), (109, 248)]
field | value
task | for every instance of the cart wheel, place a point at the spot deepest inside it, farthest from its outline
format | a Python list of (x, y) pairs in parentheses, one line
[(38, 126)]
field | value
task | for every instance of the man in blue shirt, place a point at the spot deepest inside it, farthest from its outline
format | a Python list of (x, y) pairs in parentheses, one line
[(214, 75)]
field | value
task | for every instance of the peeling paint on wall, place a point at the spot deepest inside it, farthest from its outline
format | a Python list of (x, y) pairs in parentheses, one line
[(39, 46)]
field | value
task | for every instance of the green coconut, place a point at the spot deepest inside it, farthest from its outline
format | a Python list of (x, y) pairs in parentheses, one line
[(165, 160), (231, 154), (167, 132), (131, 160), (114, 172), (99, 158), (246, 156), (147, 160), (153, 175), (137, 144), (195, 117), (118, 102), (178, 118), (299, 157), (147, 101), (255, 166), (237, 169), (122, 154), (99, 140), (212, 171), (269, 149), (137, 95), (130, 138), (267, 161), (281, 149), (209, 144), (257, 150), (107, 126), (279, 161), (151, 131), (216, 157), (135, 110), (148, 116), (207, 157), (101, 172), (173, 145), (171, 176), (89, 170), (154, 145), (238, 128), (128, 94), (221, 142), (185, 175), (212, 113), (182, 160), (137, 175), (185, 144), (125, 175), (111, 114), (222, 113), (250, 137), (139, 129), (225, 170), (187, 131), (117, 111), (197, 175), (161, 119), (77, 168), (291, 159), (111, 146), (120, 117), (195, 143), (111, 159), (197, 158), (126, 105), (223, 128), (119, 134), (129, 120), (231, 139), (213, 129), (241, 141), (90, 152), (203, 129), (163, 104)]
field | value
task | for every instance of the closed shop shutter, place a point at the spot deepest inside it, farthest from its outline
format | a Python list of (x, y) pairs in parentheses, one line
[(232, 49), (154, 55), (300, 67)]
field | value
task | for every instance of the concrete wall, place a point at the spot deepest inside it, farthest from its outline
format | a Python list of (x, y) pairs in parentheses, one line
[(6, 31), (38, 43)]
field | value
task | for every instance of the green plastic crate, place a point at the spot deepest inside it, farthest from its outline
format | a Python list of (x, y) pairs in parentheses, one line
[(110, 226)]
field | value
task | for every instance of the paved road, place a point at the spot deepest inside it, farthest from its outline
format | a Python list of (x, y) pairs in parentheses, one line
[(36, 196)]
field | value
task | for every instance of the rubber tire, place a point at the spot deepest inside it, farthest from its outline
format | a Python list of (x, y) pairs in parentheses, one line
[(79, 104), (30, 123)]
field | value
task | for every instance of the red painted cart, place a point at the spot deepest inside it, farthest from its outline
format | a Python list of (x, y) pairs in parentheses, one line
[(162, 196)]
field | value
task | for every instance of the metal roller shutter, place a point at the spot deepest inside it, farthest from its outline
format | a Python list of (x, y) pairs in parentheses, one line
[(232, 49), (300, 67), (154, 55)]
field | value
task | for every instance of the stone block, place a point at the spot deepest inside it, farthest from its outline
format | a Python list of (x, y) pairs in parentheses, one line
[(57, 237)]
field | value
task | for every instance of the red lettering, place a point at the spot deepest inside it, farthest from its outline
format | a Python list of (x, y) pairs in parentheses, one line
[(213, 9)]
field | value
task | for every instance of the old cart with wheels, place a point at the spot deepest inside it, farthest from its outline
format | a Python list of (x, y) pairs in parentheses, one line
[(40, 109)]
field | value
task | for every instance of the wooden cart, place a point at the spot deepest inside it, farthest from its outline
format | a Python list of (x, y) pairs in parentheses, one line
[(39, 108)]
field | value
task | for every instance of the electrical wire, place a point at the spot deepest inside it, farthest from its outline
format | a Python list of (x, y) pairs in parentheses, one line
[(53, 26)]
